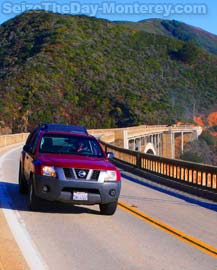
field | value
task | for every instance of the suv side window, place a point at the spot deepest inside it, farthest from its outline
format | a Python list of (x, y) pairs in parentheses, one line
[(31, 135), (31, 142), (35, 142)]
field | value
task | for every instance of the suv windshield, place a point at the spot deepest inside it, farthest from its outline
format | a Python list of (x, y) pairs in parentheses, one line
[(69, 144)]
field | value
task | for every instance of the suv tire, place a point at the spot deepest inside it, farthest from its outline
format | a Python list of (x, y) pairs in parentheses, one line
[(23, 187), (108, 209), (34, 202)]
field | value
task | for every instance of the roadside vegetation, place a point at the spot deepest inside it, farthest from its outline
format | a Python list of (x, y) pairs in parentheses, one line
[(204, 150)]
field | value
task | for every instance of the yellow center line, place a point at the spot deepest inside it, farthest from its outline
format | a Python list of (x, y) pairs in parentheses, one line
[(176, 233)]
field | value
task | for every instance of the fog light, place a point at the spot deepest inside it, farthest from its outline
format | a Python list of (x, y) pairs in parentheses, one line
[(112, 192), (45, 189)]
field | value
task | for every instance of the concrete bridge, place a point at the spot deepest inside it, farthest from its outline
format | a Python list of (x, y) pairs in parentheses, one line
[(161, 140)]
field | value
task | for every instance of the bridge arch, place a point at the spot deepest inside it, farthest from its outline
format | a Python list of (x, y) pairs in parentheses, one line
[(149, 149)]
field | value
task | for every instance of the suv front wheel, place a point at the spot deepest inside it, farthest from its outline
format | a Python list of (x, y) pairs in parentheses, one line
[(34, 201), (23, 187), (108, 209)]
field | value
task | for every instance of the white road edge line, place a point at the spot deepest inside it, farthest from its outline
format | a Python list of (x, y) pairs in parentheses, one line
[(17, 226)]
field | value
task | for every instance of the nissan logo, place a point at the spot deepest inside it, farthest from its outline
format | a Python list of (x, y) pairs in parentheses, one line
[(82, 174)]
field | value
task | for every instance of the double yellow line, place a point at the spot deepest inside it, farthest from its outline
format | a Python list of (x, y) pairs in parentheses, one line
[(178, 234)]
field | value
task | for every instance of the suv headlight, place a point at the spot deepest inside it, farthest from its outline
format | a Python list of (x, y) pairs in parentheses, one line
[(110, 176), (48, 171)]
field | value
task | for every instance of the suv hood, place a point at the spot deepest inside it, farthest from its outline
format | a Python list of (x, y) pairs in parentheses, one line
[(76, 161)]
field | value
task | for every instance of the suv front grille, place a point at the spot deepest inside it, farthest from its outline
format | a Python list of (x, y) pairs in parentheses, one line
[(68, 173), (89, 191), (95, 175), (81, 174)]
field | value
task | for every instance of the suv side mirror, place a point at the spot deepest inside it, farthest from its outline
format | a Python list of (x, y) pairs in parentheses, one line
[(110, 155), (27, 148)]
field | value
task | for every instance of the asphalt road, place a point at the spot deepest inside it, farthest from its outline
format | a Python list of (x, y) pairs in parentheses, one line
[(77, 237)]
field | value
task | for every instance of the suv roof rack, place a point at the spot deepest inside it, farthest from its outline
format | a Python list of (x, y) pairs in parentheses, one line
[(63, 128)]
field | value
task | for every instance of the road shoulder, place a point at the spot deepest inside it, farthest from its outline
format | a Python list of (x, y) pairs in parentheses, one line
[(11, 257)]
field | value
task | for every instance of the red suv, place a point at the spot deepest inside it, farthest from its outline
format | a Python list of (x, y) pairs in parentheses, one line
[(64, 163)]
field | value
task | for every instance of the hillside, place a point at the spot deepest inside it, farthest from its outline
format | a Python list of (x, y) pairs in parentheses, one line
[(178, 30), (203, 150), (93, 72)]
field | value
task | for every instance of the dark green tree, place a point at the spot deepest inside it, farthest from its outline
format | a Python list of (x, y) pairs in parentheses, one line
[(188, 53)]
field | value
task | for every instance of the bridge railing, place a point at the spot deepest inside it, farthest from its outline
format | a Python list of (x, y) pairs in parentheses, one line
[(199, 175)]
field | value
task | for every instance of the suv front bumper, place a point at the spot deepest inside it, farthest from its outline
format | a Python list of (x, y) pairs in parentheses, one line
[(62, 190)]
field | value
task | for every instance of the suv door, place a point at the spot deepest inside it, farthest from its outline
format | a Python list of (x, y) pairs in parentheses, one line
[(29, 155)]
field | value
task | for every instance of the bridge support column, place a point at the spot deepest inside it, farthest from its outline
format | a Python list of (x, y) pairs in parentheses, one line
[(137, 144), (158, 144), (172, 136), (155, 143), (152, 139), (182, 142), (168, 142), (125, 139), (131, 144)]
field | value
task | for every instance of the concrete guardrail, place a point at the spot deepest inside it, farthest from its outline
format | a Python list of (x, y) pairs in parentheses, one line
[(10, 139)]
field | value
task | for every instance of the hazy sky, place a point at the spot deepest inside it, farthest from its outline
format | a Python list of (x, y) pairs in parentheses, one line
[(200, 13)]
